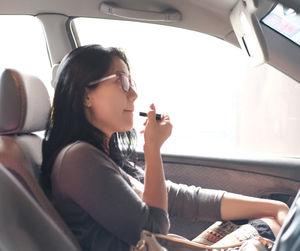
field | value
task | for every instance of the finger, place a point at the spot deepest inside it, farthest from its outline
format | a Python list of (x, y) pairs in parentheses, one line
[(166, 117), (152, 107), (151, 114)]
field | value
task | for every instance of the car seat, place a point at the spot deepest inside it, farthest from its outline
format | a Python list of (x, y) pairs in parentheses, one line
[(24, 109)]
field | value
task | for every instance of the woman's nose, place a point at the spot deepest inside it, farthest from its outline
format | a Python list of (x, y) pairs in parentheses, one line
[(132, 94)]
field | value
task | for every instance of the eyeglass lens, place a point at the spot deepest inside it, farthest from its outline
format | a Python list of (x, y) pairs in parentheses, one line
[(125, 82)]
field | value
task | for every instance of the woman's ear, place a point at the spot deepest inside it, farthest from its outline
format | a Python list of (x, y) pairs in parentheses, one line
[(87, 102)]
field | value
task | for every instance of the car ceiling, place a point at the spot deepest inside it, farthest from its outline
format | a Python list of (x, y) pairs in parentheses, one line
[(208, 16)]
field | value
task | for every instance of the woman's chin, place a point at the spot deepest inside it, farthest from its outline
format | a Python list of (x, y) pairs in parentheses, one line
[(126, 128)]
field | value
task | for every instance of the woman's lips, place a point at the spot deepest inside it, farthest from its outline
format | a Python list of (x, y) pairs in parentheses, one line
[(129, 110)]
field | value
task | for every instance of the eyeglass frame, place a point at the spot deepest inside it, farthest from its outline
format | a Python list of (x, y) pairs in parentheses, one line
[(120, 75)]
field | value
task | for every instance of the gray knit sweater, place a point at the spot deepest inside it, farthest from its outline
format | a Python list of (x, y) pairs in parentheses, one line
[(98, 203)]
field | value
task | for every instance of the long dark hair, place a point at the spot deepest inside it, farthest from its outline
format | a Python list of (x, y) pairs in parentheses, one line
[(68, 123)]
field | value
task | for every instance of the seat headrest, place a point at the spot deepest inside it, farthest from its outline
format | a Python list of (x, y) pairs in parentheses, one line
[(24, 103)]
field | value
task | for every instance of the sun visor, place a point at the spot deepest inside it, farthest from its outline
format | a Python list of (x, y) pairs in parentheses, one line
[(248, 30)]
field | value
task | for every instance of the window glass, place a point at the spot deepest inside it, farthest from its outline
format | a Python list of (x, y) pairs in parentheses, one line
[(191, 76), (23, 47)]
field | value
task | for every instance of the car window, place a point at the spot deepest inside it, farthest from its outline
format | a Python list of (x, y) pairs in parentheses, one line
[(199, 80), (23, 47)]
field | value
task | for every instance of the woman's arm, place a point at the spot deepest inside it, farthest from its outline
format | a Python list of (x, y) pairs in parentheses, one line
[(155, 191), (194, 203), (155, 134), (234, 206)]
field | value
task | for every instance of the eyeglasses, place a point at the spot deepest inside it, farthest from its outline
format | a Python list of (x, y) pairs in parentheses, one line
[(125, 80)]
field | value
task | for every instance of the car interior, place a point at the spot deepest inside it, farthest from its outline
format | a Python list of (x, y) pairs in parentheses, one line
[(28, 219)]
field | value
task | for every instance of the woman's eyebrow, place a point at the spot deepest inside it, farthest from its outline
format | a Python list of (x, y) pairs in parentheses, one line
[(121, 72)]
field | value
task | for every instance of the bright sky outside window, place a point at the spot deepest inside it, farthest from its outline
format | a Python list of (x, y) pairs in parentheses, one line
[(23, 46), (191, 76)]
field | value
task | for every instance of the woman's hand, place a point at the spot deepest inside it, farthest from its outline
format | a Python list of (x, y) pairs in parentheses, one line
[(156, 132), (275, 221), (281, 213)]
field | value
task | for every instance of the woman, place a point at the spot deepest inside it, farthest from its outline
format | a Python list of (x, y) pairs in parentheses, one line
[(103, 197)]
